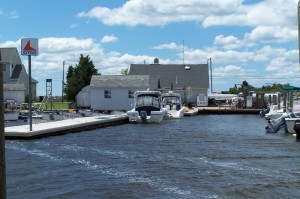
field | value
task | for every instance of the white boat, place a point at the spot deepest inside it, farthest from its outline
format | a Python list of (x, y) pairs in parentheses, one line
[(274, 112), (147, 108), (11, 115), (290, 122), (172, 103)]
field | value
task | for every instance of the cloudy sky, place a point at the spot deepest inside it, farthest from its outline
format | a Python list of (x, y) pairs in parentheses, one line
[(252, 40)]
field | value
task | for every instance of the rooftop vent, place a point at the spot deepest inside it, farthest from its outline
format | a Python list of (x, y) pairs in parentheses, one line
[(156, 61), (187, 68)]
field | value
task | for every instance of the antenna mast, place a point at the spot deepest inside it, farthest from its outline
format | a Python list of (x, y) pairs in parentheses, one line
[(183, 52)]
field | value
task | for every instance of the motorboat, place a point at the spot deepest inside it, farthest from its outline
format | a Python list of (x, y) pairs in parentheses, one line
[(286, 121), (11, 115), (147, 108), (172, 103)]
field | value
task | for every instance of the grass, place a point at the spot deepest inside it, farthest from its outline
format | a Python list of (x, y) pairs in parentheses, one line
[(55, 105)]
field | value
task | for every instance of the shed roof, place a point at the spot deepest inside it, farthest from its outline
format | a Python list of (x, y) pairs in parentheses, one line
[(120, 81), (180, 75)]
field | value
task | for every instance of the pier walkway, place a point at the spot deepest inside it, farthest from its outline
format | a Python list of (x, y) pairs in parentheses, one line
[(44, 129)]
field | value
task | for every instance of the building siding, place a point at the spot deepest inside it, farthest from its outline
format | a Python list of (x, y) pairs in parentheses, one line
[(119, 99)]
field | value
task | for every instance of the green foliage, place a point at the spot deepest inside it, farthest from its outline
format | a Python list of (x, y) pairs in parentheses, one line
[(124, 71), (79, 76), (246, 87)]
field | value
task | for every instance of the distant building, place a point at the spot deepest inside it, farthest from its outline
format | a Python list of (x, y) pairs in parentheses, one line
[(114, 92), (14, 92), (190, 80), (14, 73), (83, 98)]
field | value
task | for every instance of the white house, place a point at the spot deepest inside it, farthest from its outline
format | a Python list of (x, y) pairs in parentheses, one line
[(14, 72), (115, 92)]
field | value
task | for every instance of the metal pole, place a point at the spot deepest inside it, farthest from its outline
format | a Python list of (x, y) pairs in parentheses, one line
[(2, 141), (29, 94), (63, 80), (211, 85)]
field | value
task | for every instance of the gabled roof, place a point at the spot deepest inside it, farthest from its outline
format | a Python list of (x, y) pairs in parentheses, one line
[(120, 81), (7, 54), (17, 71), (187, 75)]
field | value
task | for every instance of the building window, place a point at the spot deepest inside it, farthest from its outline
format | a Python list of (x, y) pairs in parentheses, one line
[(3, 67), (130, 94), (107, 94)]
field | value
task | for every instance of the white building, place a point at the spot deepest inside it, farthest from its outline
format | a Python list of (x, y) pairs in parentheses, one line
[(14, 72), (115, 92)]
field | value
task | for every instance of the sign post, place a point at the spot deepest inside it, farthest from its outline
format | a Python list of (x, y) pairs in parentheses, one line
[(29, 47)]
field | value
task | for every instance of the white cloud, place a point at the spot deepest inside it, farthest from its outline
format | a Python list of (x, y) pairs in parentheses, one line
[(272, 20), (230, 70), (229, 42), (13, 15), (169, 46), (159, 13), (74, 25), (272, 34), (109, 38)]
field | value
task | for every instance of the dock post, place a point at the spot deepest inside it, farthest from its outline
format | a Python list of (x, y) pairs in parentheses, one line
[(2, 141)]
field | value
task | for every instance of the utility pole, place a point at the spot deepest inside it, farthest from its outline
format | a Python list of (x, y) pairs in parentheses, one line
[(209, 63), (63, 83), (211, 76), (2, 140)]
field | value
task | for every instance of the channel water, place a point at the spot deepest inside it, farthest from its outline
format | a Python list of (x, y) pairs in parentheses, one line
[(205, 156)]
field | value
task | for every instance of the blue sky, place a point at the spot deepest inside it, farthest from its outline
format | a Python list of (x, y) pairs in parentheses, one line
[(252, 40)]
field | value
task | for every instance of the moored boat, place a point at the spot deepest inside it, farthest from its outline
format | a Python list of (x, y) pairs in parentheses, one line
[(147, 108), (11, 115), (172, 103)]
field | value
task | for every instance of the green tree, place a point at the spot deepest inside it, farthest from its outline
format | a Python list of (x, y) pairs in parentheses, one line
[(124, 71), (79, 76)]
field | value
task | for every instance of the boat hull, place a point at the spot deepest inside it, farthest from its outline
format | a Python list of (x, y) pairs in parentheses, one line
[(11, 116), (176, 114), (290, 122), (154, 117)]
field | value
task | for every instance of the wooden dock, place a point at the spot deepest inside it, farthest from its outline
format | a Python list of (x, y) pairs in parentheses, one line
[(226, 110), (50, 128), (219, 110)]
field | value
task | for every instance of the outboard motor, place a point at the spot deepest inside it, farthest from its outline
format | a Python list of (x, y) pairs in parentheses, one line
[(275, 125), (297, 129), (143, 115)]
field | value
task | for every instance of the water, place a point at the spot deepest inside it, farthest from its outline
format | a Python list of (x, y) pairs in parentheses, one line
[(212, 156)]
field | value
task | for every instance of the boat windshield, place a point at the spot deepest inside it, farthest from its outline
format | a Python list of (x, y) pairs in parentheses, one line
[(171, 99), (147, 101)]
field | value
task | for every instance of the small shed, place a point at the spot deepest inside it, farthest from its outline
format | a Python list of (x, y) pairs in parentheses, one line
[(83, 98), (115, 92)]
